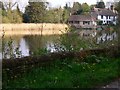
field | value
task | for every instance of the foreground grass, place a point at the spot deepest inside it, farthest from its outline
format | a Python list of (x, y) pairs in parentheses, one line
[(91, 72)]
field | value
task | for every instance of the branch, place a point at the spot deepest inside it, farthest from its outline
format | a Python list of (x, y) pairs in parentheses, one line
[(9, 5), (13, 4)]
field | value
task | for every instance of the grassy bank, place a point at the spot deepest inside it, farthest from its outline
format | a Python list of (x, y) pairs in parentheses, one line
[(92, 72)]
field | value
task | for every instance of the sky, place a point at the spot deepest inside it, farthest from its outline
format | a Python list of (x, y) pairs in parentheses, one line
[(58, 2), (55, 3)]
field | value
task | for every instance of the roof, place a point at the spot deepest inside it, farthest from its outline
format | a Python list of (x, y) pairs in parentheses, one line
[(104, 12), (81, 18)]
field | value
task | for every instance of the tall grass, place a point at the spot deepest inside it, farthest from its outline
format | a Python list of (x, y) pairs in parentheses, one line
[(8, 49)]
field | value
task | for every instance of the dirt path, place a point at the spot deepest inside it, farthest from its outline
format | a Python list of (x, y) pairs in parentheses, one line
[(114, 84)]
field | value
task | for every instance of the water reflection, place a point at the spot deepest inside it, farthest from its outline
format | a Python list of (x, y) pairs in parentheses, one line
[(106, 37), (36, 42), (30, 43), (24, 47)]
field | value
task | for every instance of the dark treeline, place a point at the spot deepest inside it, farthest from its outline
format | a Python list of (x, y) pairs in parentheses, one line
[(38, 12)]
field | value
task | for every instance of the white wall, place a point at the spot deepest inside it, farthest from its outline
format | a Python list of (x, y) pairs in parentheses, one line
[(105, 19)]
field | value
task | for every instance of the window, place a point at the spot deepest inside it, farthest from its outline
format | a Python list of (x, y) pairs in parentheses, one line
[(106, 17), (76, 22), (101, 16), (86, 22), (109, 22), (114, 18), (70, 22)]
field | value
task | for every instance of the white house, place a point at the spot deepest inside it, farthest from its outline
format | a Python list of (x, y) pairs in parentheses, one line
[(106, 16)]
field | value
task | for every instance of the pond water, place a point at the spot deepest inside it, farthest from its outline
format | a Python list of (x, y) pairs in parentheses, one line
[(26, 44)]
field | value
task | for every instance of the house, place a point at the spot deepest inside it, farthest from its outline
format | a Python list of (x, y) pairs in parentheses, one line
[(105, 16), (82, 21), (97, 16)]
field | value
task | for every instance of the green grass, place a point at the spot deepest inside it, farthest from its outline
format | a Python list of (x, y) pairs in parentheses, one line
[(68, 74)]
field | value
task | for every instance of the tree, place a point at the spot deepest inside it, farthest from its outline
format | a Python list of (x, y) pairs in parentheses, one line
[(2, 6), (76, 9), (14, 16), (53, 15), (66, 6), (118, 10), (18, 10), (66, 13), (17, 17), (92, 6), (10, 15), (2, 9), (9, 5), (85, 7), (100, 4), (35, 12), (2, 12)]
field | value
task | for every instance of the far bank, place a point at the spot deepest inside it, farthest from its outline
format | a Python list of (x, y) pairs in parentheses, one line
[(33, 28)]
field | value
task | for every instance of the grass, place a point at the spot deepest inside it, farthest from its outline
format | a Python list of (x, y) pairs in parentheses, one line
[(68, 73)]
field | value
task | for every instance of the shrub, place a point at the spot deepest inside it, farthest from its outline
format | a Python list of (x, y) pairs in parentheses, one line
[(94, 59)]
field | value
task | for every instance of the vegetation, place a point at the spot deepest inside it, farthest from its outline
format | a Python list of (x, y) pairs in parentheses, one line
[(62, 73), (100, 4), (86, 8), (35, 12), (54, 15), (9, 15), (39, 12), (76, 9), (118, 9), (79, 9), (42, 14), (8, 49), (91, 72), (66, 13), (72, 72), (72, 41)]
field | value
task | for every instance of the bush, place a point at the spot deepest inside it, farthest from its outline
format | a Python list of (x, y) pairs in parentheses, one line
[(5, 19), (94, 59), (40, 51)]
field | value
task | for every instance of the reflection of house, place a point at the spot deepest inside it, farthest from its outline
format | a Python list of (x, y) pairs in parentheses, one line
[(106, 16), (82, 21)]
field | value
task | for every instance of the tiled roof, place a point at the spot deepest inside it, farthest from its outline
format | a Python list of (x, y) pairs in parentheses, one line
[(81, 18), (105, 12)]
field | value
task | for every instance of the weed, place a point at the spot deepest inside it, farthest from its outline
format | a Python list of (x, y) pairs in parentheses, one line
[(67, 73)]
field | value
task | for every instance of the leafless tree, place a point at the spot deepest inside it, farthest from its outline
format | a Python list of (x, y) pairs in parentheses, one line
[(9, 4)]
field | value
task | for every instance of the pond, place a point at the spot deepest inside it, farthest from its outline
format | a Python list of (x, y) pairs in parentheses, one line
[(25, 45)]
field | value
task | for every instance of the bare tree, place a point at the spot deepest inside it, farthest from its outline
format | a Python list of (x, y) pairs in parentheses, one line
[(9, 4)]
